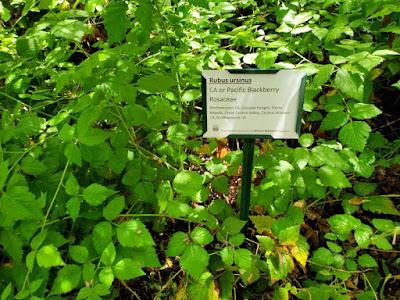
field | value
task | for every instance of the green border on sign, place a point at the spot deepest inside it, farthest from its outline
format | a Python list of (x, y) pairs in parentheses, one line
[(252, 71)]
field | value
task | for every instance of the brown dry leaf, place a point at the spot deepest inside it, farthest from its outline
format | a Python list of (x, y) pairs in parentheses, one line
[(356, 201), (181, 293), (331, 93)]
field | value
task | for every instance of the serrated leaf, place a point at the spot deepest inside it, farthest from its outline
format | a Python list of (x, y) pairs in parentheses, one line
[(113, 208), (362, 235), (95, 194), (156, 83), (106, 276), (108, 255), (72, 185), (201, 236), (67, 279), (70, 29), (306, 140), (383, 224), (350, 84), (343, 224), (323, 75), (266, 59), (243, 258), (101, 236), (48, 256), (177, 243), (266, 242), (134, 234), (78, 253), (367, 261), (363, 111), (232, 225), (379, 204), (300, 251), (220, 184), (355, 135), (191, 95), (334, 120), (227, 255), (187, 183), (333, 177), (127, 269), (73, 207), (116, 21), (194, 260)]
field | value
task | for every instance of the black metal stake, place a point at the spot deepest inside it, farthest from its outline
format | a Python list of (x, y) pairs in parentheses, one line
[(247, 168)]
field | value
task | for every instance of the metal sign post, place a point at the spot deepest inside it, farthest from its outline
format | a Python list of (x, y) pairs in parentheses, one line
[(247, 168)]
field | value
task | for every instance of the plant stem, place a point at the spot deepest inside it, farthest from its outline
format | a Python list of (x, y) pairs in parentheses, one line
[(54, 196)]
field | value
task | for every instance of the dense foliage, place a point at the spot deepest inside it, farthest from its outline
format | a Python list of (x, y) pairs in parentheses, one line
[(108, 191)]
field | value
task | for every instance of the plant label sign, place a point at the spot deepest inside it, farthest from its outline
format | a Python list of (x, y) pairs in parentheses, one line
[(251, 103)]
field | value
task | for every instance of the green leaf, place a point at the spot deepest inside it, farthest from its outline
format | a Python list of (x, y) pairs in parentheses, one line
[(106, 276), (178, 134), (220, 184), (70, 29), (367, 261), (323, 75), (108, 255), (18, 203), (201, 236), (243, 258), (156, 83), (11, 244), (134, 233), (95, 194), (73, 207), (365, 111), (397, 84), (306, 140), (190, 95), (343, 224), (72, 186), (350, 84), (364, 188), (67, 279), (127, 269), (177, 243), (322, 256), (383, 224), (101, 236), (334, 120), (135, 114), (266, 59), (362, 235), (227, 255), (187, 183), (114, 208), (48, 256), (3, 174), (232, 225), (78, 253), (116, 21), (379, 204), (289, 235), (7, 292), (333, 177), (5, 16), (194, 260), (266, 242), (355, 135)]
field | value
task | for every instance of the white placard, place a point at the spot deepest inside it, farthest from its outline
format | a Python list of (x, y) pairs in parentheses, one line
[(253, 104)]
